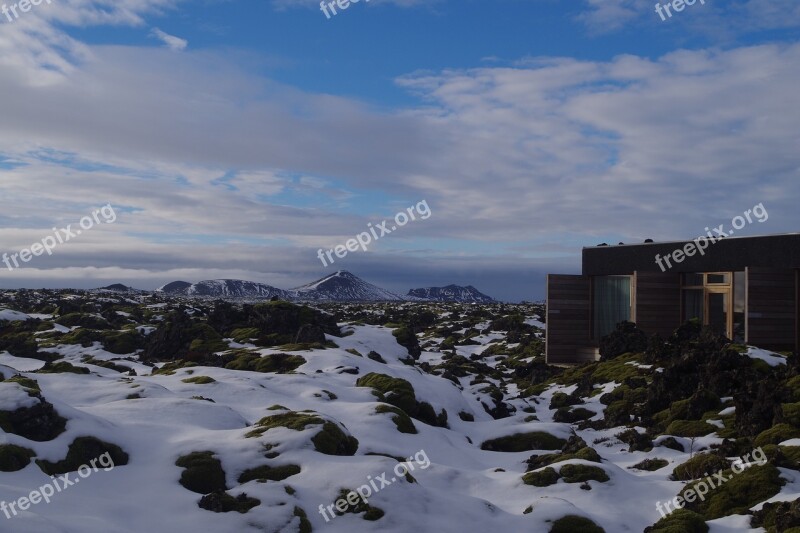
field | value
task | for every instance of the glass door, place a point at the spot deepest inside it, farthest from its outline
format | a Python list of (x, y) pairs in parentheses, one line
[(717, 311)]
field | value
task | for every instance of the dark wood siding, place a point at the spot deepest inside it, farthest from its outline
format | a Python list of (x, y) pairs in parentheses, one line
[(568, 319), (771, 321), (657, 302)]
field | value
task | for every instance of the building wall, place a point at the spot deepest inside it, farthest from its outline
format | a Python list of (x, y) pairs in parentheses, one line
[(568, 318), (771, 319), (657, 302)]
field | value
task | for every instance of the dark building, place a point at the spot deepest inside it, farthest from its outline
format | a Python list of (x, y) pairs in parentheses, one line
[(744, 287)]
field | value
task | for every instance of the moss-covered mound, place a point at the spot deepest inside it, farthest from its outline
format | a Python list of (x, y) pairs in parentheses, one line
[(331, 439), (541, 478), (40, 422), (278, 363), (222, 502), (401, 419), (778, 517), (14, 458), (586, 453), (400, 393), (200, 380), (679, 521), (777, 434), (202, 473), (345, 505), (651, 465), (700, 465), (524, 442), (290, 420), (738, 494), (62, 367), (85, 451), (578, 473), (265, 473), (575, 524)]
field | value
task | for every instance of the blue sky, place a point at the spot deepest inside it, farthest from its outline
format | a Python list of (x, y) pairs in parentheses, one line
[(236, 138)]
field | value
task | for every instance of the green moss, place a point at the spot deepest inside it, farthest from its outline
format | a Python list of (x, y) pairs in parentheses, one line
[(700, 465), (277, 407), (741, 492), (305, 524), (14, 458), (371, 513), (278, 363), (575, 524), (394, 391), (586, 453), (578, 473), (28, 383), (524, 442), (680, 521), (265, 473), (221, 502), (651, 465), (83, 451), (291, 420), (689, 428), (541, 478), (777, 434), (244, 335), (62, 367), (121, 343), (401, 419), (200, 380), (333, 441), (202, 473)]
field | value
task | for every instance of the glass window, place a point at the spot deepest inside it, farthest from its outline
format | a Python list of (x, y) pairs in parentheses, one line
[(739, 288), (612, 303), (718, 279), (693, 304)]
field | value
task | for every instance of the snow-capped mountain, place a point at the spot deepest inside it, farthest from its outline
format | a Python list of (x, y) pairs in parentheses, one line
[(451, 293), (226, 288), (343, 286)]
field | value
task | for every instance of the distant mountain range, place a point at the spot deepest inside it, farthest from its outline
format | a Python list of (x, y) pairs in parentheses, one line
[(451, 293), (341, 286)]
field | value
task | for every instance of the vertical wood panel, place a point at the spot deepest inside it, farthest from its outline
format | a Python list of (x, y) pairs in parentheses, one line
[(657, 302), (568, 319), (772, 308)]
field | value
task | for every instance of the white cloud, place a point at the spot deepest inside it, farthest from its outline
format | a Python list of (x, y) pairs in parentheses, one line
[(173, 43)]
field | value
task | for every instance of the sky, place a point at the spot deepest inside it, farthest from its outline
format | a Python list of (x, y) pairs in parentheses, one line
[(237, 138)]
